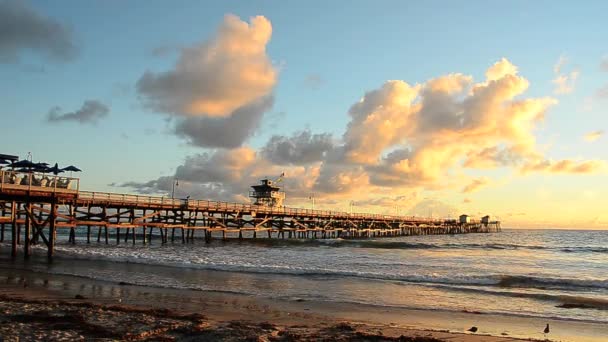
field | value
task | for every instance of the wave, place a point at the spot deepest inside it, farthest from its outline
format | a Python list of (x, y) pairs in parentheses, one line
[(563, 301), (496, 280), (386, 244)]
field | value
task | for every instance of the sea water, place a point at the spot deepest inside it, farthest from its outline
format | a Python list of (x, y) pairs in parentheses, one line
[(541, 273)]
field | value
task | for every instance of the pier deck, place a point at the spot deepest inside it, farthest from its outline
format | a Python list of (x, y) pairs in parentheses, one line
[(34, 212)]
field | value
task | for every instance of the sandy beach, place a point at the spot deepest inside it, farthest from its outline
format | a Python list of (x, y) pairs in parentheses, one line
[(37, 306)]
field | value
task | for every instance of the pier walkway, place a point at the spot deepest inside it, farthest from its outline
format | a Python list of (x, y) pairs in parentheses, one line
[(33, 207)]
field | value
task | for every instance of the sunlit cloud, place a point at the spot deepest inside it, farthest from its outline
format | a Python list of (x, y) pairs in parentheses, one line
[(593, 136), (476, 184), (218, 89), (400, 139), (564, 82), (215, 77), (565, 166)]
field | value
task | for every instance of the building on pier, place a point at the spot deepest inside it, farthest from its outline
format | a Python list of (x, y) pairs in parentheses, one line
[(267, 194)]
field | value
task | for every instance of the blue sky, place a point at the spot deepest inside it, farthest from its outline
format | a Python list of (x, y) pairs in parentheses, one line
[(349, 48)]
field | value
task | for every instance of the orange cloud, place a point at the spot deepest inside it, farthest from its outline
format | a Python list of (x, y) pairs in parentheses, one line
[(401, 138), (218, 76), (593, 136), (564, 82), (476, 184), (565, 166)]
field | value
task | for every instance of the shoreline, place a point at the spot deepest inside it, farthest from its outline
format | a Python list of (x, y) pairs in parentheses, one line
[(84, 278), (220, 309)]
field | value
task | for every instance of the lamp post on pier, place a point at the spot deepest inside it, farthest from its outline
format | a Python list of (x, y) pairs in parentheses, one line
[(175, 183), (352, 204), (312, 201)]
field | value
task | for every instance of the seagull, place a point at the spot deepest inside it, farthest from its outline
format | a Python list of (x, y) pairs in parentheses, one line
[(547, 330), (473, 329)]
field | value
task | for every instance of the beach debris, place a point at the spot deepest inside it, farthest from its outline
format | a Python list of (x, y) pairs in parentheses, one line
[(473, 329)]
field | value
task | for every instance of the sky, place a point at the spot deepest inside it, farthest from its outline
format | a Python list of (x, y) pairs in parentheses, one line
[(415, 108)]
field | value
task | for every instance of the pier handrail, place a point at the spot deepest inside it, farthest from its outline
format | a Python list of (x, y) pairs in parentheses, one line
[(45, 182), (243, 207)]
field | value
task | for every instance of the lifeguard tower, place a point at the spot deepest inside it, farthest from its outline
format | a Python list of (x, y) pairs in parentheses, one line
[(267, 194)]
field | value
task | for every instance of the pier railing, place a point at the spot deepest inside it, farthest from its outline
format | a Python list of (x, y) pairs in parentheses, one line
[(35, 181), (191, 204)]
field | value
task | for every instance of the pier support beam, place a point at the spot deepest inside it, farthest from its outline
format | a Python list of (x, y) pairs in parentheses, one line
[(52, 230)]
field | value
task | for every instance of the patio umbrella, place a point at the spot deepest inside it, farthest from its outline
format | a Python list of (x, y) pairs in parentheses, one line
[(55, 169), (24, 164), (71, 168), (41, 167), (7, 158)]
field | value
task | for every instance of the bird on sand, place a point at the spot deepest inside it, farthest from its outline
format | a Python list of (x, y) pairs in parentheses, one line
[(547, 330), (473, 329)]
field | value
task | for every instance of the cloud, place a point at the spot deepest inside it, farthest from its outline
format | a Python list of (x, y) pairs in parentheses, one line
[(227, 132), (564, 82), (604, 64), (602, 93), (24, 29), (492, 157), (378, 120), (400, 138), (501, 69), (413, 134), (476, 184), (90, 113), (314, 81), (433, 208), (301, 148), (565, 166), (593, 136), (227, 175), (216, 77)]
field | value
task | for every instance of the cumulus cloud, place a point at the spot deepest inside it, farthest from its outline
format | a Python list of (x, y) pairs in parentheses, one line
[(301, 148), (476, 184), (564, 81), (564, 166), (430, 127), (24, 29), (401, 138), (219, 90), (227, 132), (227, 175), (218, 76), (593, 136), (492, 157), (90, 113)]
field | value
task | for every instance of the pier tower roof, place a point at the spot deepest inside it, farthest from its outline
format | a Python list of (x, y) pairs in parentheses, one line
[(267, 194)]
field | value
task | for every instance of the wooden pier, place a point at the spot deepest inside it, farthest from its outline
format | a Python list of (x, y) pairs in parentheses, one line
[(34, 207)]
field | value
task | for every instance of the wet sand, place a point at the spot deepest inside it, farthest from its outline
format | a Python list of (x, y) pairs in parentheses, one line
[(35, 306)]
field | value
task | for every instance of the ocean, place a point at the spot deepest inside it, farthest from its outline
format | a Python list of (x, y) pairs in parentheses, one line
[(561, 274)]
